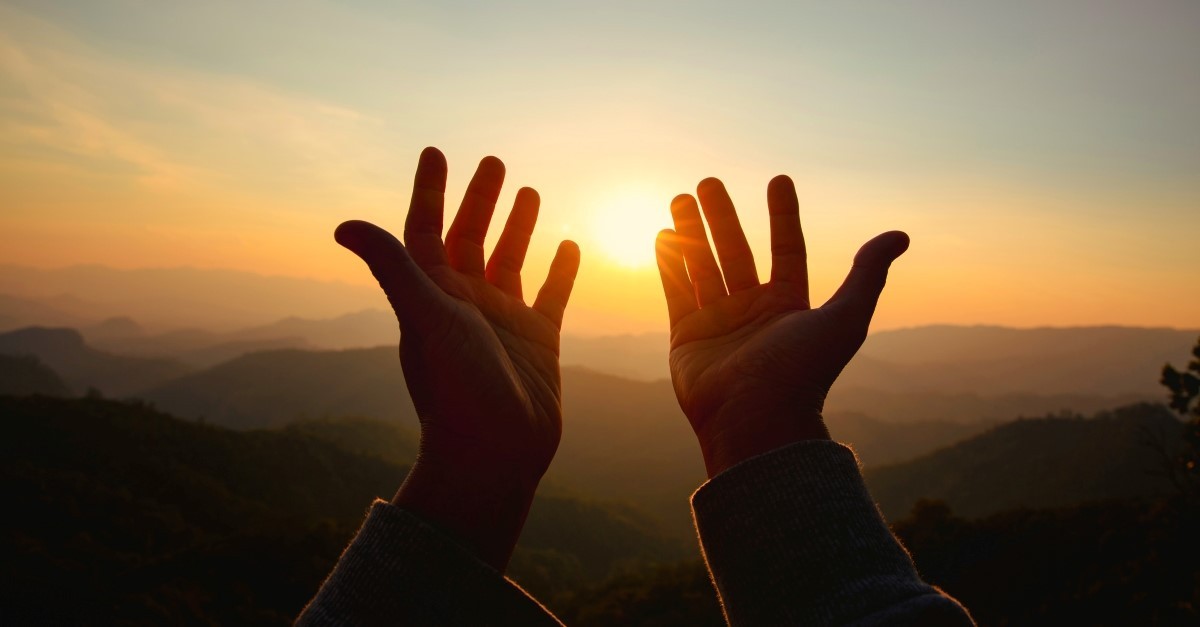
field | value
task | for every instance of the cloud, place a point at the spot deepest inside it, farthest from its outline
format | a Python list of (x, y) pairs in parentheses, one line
[(67, 106)]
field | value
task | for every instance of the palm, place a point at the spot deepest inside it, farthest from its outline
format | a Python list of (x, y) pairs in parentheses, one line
[(501, 351), (480, 365), (761, 348), (745, 355)]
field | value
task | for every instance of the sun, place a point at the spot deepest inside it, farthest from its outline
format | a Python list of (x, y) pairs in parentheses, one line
[(624, 224)]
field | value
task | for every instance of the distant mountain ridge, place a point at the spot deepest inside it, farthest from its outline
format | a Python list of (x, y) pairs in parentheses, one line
[(273, 388), (82, 367), (232, 313), (166, 298)]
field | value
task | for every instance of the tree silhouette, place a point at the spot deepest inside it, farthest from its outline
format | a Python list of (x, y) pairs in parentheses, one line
[(1184, 387)]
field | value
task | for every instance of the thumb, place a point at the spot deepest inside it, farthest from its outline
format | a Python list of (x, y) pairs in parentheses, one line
[(407, 286), (860, 291)]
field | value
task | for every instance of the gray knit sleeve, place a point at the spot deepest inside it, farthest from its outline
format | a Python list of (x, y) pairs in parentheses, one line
[(792, 537), (399, 570)]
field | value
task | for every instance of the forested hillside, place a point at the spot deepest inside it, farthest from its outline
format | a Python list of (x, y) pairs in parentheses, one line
[(124, 512), (274, 388), (23, 375), (1041, 462)]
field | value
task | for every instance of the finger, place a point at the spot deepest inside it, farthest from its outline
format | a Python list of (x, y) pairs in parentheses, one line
[(552, 299), (737, 262), (789, 257), (693, 242), (504, 266), (681, 300), (464, 240), (423, 226), (406, 285), (859, 293)]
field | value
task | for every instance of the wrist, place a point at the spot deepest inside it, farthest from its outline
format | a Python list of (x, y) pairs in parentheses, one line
[(484, 509), (730, 439)]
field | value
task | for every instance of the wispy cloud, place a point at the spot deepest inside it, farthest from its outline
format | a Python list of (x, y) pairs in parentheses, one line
[(68, 106)]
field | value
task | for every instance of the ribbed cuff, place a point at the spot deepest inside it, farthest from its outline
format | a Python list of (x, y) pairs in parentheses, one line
[(400, 570), (793, 537)]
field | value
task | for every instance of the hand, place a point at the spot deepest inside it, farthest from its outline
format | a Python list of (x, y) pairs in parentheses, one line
[(480, 365), (751, 364)]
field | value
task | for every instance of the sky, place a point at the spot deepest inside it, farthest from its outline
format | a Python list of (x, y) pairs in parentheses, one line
[(1043, 156)]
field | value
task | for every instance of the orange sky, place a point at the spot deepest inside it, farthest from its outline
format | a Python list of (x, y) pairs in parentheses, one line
[(1043, 159)]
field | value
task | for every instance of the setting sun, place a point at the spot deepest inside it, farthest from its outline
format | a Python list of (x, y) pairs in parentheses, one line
[(623, 226)]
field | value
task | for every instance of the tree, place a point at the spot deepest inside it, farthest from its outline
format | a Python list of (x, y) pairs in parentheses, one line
[(1184, 389)]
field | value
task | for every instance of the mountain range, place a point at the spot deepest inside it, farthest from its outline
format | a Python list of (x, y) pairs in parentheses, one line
[(83, 367), (170, 298)]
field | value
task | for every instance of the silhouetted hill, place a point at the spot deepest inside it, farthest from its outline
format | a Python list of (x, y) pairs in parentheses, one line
[(16, 313), (954, 373), (164, 298), (622, 440), (363, 436), (194, 347), (641, 357), (1032, 463), (661, 595), (628, 440), (1114, 563), (82, 367), (993, 361), (878, 442), (985, 360), (112, 329), (369, 328), (907, 407), (24, 375), (135, 516), (274, 388)]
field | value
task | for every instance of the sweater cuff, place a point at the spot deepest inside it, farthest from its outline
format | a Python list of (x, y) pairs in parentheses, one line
[(401, 570), (793, 537)]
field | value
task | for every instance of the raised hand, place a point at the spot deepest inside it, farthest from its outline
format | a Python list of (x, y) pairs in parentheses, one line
[(481, 366), (752, 363)]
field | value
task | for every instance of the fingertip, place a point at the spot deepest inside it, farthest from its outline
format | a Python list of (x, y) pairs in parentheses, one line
[(567, 257), (781, 182), (902, 242), (568, 250), (431, 170), (710, 184), (667, 246), (781, 196), (892, 244), (491, 163), (432, 159), (883, 248), (348, 233), (682, 201), (529, 194)]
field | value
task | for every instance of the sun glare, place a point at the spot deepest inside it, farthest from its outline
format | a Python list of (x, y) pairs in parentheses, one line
[(624, 225)]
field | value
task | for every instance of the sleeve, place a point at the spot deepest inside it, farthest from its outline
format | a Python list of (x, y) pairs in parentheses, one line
[(399, 570), (793, 537)]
